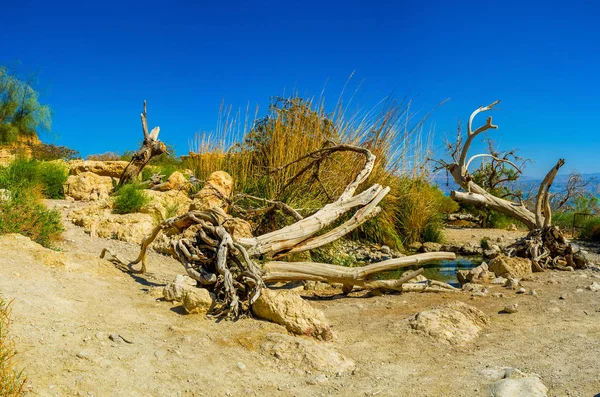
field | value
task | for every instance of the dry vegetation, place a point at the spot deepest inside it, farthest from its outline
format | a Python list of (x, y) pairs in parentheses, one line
[(11, 380)]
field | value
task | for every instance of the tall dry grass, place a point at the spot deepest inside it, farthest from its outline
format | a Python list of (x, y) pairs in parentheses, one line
[(250, 149), (11, 380)]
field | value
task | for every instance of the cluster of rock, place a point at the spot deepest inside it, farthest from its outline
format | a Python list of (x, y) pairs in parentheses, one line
[(366, 253), (468, 249), (286, 308)]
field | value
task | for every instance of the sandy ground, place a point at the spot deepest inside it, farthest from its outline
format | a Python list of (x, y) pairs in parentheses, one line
[(63, 316)]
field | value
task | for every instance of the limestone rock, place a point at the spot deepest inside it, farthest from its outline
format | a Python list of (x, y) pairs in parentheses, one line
[(477, 275), (197, 300), (238, 228), (166, 204), (518, 387), (303, 353), (290, 310), (216, 191), (88, 186), (112, 169), (176, 181), (505, 266), (430, 247), (175, 290), (99, 221), (594, 287), (455, 323)]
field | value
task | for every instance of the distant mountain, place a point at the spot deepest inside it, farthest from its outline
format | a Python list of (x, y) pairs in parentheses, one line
[(526, 183)]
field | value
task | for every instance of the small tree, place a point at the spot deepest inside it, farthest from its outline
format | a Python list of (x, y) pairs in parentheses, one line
[(21, 114)]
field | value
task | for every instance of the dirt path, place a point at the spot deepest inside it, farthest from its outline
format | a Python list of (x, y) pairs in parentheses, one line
[(68, 304)]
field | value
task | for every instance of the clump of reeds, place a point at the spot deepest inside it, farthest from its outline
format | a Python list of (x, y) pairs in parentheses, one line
[(11, 380)]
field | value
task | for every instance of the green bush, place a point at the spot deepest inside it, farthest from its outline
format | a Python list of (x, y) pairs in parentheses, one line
[(52, 177), (130, 198), (31, 173), (23, 213), (591, 229)]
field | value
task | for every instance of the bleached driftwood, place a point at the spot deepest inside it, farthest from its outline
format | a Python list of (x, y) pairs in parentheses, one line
[(226, 266), (544, 245)]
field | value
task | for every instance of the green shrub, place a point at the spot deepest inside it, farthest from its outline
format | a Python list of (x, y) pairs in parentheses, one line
[(52, 177), (130, 198), (484, 244), (590, 229), (24, 213), (32, 173), (433, 232)]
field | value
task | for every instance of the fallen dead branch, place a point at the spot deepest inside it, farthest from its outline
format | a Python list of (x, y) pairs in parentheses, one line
[(226, 266)]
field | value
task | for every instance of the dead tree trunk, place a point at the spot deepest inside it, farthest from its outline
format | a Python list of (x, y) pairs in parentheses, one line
[(151, 147), (545, 245), (226, 266)]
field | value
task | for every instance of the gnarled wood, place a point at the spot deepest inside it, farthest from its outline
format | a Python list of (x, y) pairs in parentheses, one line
[(150, 147)]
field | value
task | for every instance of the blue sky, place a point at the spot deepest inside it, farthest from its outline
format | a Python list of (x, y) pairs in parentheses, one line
[(97, 61)]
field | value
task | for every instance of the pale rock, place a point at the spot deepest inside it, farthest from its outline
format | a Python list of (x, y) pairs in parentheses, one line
[(298, 352), (518, 387), (456, 322), (166, 204), (430, 247), (215, 193), (175, 290), (112, 169), (88, 186), (294, 313), (505, 266), (477, 275), (510, 309), (595, 286), (499, 281), (197, 300), (125, 227)]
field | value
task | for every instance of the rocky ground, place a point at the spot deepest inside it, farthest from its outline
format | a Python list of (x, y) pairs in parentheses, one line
[(84, 328)]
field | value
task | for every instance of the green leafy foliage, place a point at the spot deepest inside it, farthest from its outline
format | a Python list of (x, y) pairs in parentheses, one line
[(21, 114), (49, 176), (23, 212), (130, 198)]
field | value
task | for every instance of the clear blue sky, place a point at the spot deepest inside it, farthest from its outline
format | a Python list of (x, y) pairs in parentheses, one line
[(96, 61)]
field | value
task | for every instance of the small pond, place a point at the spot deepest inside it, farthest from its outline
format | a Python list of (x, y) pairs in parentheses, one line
[(439, 270)]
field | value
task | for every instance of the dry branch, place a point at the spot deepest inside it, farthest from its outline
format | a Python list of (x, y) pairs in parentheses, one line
[(150, 147), (225, 265)]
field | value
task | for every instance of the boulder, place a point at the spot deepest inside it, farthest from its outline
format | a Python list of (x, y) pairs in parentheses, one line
[(515, 267), (88, 186), (99, 221), (112, 169), (477, 275), (166, 204), (215, 193), (306, 354), (197, 300), (515, 383), (430, 247), (523, 387), (238, 228), (175, 290), (290, 310), (455, 323)]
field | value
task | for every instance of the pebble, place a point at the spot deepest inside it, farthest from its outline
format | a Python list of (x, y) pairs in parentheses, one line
[(532, 292), (521, 290), (498, 295), (160, 353), (563, 297), (84, 355), (510, 309), (241, 365), (317, 379)]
